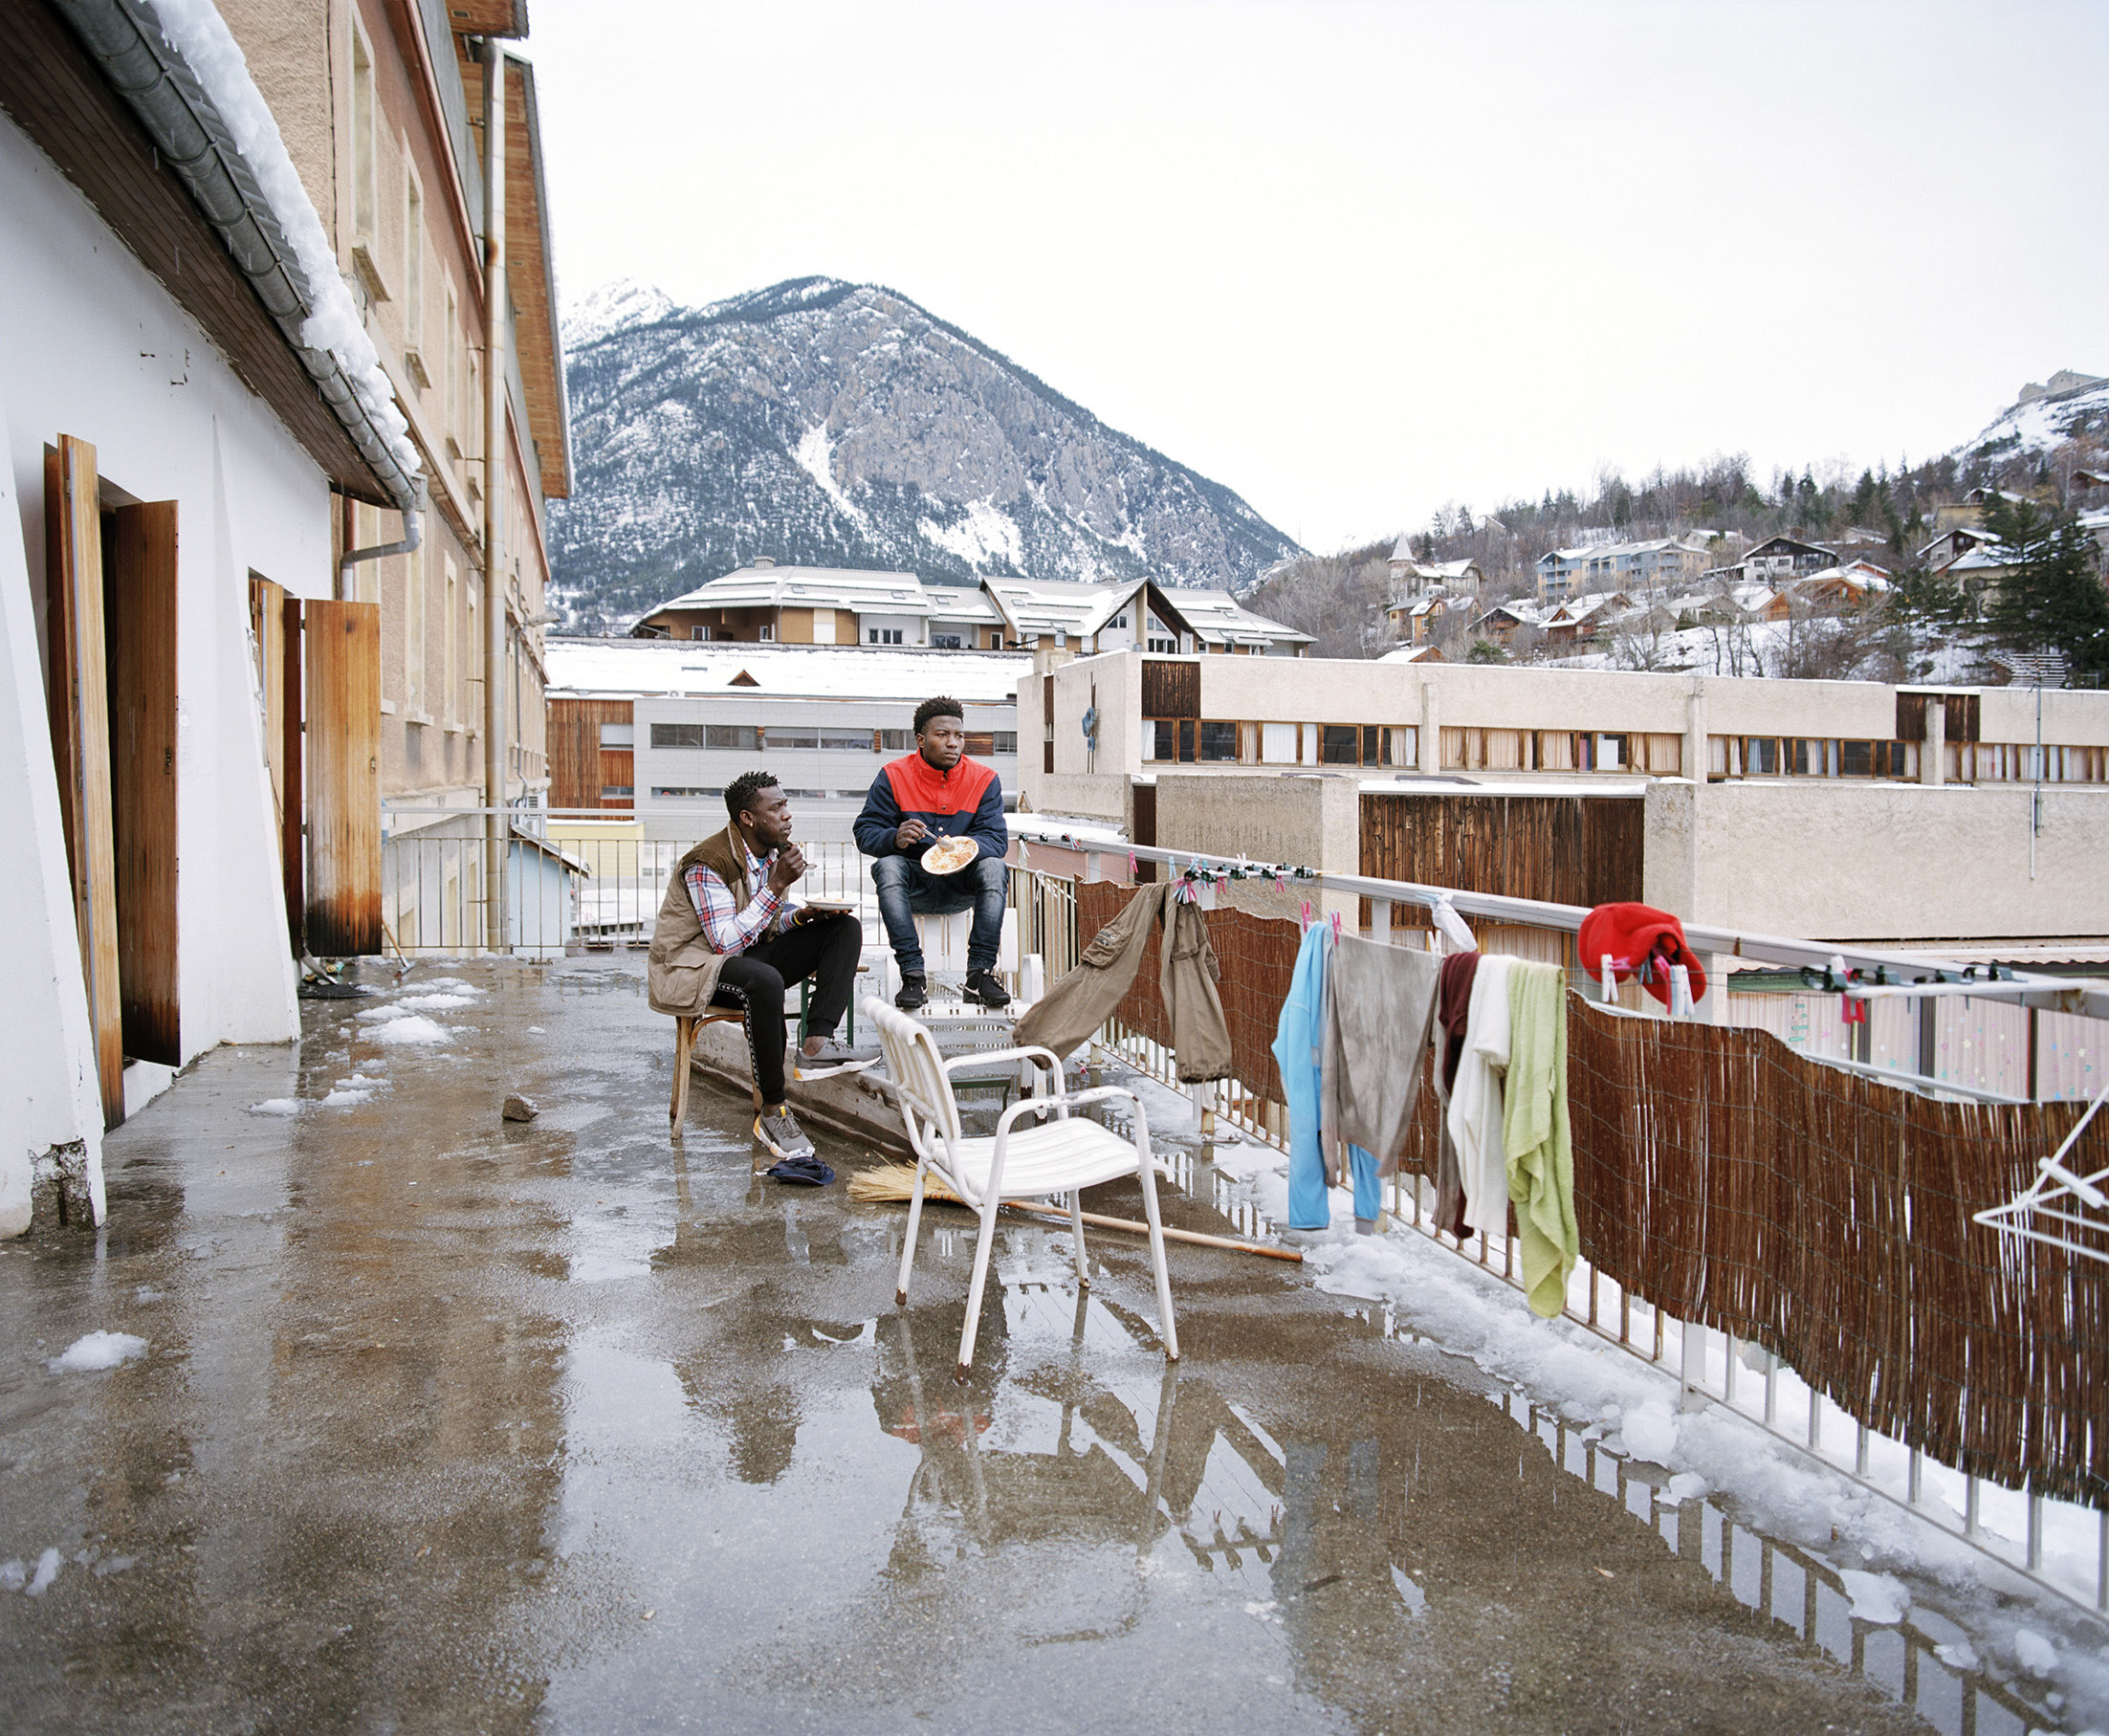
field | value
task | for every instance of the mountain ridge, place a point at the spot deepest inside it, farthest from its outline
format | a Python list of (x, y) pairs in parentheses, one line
[(829, 423)]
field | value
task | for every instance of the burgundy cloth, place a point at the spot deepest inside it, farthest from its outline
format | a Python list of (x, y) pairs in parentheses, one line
[(1636, 935), (1453, 1003), (1453, 1007)]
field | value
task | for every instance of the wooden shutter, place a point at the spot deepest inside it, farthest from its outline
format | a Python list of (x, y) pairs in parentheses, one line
[(274, 616), (76, 691), (140, 623), (1911, 716), (981, 745), (1962, 719), (343, 768)]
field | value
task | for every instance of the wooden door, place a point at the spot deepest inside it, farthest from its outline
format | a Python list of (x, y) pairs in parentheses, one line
[(139, 625), (343, 779), (76, 691), (274, 619)]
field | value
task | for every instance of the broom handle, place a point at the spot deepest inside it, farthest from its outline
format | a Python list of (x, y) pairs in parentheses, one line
[(1056, 1216)]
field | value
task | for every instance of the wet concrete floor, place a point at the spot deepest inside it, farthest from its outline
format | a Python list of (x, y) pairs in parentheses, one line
[(454, 1424)]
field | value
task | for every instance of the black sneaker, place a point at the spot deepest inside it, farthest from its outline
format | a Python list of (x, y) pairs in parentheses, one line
[(914, 991), (982, 987)]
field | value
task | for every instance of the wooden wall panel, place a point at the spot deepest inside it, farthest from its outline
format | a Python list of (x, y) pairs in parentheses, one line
[(576, 772), (140, 621), (293, 828), (1171, 689), (1567, 849), (77, 689), (344, 767)]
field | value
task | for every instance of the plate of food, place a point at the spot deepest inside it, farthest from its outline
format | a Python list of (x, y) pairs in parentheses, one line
[(949, 855), (828, 907)]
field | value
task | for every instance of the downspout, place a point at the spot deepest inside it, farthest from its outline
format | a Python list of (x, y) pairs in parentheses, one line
[(495, 822), (414, 536)]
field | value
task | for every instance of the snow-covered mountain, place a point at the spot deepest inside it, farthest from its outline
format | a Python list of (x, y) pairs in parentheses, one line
[(2072, 407), (835, 423)]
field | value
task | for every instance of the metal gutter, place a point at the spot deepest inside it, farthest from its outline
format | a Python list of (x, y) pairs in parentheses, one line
[(125, 39)]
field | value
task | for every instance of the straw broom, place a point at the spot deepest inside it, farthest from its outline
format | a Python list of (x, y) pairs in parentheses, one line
[(895, 1184)]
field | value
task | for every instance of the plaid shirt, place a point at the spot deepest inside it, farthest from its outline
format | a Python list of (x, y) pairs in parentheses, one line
[(726, 927)]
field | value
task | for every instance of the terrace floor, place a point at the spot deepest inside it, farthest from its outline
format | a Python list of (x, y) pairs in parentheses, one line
[(446, 1423)]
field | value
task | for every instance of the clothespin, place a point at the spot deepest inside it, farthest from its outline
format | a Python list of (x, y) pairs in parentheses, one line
[(1304, 915), (1133, 870), (1680, 991), (1336, 928), (1852, 1010), (1280, 885), (1610, 979)]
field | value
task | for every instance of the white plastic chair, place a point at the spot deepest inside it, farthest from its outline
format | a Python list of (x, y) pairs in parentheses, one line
[(1063, 1154)]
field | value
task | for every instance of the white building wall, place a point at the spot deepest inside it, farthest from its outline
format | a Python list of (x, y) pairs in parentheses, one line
[(94, 348)]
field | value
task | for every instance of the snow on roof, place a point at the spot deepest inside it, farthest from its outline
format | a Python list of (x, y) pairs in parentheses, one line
[(1413, 653), (1059, 607), (197, 32), (808, 588), (800, 671), (1217, 615), (1986, 556)]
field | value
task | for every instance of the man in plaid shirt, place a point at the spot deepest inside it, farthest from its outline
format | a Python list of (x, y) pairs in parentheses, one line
[(770, 942)]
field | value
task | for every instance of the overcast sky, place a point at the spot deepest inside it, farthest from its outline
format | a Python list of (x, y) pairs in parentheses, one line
[(1356, 261)]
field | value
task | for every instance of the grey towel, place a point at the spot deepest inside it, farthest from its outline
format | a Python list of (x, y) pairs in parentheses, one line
[(1380, 1003)]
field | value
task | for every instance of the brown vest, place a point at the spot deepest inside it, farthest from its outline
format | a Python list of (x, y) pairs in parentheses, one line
[(681, 974)]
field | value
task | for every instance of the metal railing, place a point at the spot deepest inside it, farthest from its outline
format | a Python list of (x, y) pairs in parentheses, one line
[(588, 881), (2007, 1525)]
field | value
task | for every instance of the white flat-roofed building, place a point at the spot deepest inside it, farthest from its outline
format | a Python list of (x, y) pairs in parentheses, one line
[(658, 728)]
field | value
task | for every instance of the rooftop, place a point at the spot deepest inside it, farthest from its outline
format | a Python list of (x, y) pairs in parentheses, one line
[(680, 667)]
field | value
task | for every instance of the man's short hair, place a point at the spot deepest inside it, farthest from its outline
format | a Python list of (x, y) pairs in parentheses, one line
[(741, 793), (939, 707)]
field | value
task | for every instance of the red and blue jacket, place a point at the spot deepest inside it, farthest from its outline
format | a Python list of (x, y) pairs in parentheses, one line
[(966, 801)]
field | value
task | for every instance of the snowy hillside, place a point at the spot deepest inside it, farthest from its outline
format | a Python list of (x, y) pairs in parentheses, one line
[(841, 425), (2081, 411)]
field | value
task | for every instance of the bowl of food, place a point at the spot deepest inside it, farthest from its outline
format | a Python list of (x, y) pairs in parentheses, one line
[(949, 855)]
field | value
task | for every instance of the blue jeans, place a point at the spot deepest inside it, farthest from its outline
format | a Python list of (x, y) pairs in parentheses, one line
[(907, 891)]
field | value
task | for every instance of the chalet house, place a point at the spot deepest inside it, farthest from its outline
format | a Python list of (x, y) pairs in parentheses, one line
[(1414, 620), (764, 604), (1787, 558), (1582, 618), (1502, 623), (1952, 544), (1410, 576)]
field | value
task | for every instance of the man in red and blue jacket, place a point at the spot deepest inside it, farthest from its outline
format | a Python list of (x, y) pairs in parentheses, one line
[(938, 792)]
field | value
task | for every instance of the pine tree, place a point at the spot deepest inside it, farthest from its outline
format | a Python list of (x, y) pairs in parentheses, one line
[(2053, 598)]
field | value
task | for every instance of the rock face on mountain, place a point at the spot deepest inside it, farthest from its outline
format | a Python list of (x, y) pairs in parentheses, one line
[(840, 425)]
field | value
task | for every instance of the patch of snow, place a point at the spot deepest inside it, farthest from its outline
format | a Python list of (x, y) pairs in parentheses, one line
[(987, 537), (816, 457), (1957, 1655), (93, 1350), (13, 1575), (2033, 1653), (1650, 1432), (1687, 1485), (1876, 1597), (341, 1099), (198, 33), (412, 1028), (276, 1106), (47, 1570), (443, 1000)]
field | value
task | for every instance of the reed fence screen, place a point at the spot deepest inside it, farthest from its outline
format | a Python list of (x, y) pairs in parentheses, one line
[(1826, 1217)]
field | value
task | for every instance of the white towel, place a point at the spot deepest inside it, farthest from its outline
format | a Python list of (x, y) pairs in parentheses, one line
[(1476, 1103)]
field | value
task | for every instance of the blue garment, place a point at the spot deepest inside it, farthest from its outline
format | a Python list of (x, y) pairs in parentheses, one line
[(1299, 1045)]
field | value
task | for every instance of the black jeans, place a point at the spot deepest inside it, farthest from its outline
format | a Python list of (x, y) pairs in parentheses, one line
[(755, 981)]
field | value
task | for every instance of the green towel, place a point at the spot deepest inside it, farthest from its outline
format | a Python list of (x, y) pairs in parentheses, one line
[(1536, 1137)]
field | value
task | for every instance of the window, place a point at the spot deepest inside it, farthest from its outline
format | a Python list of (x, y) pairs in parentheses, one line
[(1167, 647), (806, 795), (680, 735), (767, 635), (1856, 759), (1172, 739), (413, 273), (1219, 740), (1894, 759), (895, 741), (1610, 754), (790, 737), (890, 636), (737, 737), (451, 673), (617, 792), (450, 368), (699, 632), (362, 144), (1761, 757), (1005, 742), (619, 734), (684, 792), (413, 633), (943, 642), (1338, 744), (859, 743)]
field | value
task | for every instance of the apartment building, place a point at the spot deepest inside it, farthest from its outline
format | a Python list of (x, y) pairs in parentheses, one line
[(1917, 802), (764, 604), (1663, 562)]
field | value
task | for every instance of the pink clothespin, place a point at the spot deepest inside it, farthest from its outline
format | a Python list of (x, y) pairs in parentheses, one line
[(1337, 926), (1133, 870), (1280, 885), (1304, 915)]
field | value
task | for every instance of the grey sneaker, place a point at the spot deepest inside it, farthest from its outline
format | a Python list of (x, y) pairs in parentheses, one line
[(778, 1130), (834, 1058)]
